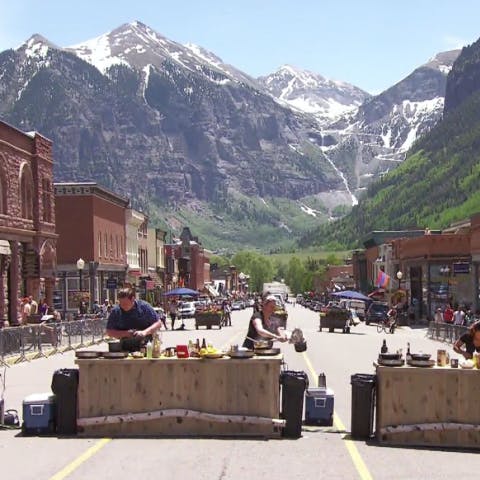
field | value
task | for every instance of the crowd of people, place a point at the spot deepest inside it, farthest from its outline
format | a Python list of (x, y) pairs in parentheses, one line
[(458, 315)]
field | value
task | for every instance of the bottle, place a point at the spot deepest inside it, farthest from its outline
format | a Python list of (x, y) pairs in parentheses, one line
[(149, 349), (204, 343), (197, 345), (157, 345), (190, 347), (408, 356), (384, 348)]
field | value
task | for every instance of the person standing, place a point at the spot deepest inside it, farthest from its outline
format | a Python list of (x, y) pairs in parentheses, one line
[(131, 317), (173, 310), (26, 310), (33, 305), (264, 325), (448, 314), (438, 317)]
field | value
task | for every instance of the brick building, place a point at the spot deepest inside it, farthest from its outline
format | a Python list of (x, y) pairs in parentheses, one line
[(91, 224), (27, 220)]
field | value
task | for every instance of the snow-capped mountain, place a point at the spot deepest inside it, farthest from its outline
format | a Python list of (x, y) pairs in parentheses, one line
[(138, 46), (373, 139), (311, 93)]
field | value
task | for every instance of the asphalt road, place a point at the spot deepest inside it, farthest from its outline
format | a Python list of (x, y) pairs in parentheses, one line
[(321, 452)]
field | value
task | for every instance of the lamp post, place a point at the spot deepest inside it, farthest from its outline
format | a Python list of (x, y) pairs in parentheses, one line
[(399, 278), (80, 267)]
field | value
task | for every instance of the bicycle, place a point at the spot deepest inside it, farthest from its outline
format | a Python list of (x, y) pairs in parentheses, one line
[(387, 325)]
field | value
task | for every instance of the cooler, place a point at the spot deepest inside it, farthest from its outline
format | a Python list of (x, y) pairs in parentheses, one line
[(39, 413), (319, 403)]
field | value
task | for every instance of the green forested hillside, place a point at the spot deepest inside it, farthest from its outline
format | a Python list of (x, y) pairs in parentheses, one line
[(437, 184)]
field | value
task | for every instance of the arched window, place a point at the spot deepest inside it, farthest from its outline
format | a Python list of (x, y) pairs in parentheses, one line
[(99, 244), (26, 192), (46, 200), (3, 187)]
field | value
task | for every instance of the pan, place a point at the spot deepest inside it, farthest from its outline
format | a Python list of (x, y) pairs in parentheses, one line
[(84, 354), (267, 351), (261, 344), (115, 355), (421, 356), (241, 354)]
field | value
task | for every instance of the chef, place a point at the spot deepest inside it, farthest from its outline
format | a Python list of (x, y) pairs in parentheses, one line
[(264, 325), (132, 317)]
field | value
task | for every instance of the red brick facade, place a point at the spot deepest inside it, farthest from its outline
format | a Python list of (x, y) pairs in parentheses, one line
[(27, 220)]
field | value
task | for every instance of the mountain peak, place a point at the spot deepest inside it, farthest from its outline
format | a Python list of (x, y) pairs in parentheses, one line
[(37, 46), (443, 61)]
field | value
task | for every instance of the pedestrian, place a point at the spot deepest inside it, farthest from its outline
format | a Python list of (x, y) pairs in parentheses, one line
[(26, 310), (438, 317), (448, 314), (173, 310), (33, 305)]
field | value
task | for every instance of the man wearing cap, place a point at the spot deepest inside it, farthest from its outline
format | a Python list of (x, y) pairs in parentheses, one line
[(264, 325)]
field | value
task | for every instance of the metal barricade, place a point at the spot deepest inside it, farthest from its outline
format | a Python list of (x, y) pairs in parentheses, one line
[(17, 344), (446, 332)]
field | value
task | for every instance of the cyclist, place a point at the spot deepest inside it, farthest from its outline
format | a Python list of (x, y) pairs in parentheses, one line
[(392, 318)]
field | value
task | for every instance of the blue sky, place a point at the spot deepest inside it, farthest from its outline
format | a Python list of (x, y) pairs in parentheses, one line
[(370, 43)]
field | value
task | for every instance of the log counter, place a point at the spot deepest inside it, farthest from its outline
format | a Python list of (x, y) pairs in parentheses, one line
[(438, 406), (179, 397)]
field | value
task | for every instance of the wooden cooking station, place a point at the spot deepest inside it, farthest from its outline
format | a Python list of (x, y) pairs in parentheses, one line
[(180, 397), (438, 406)]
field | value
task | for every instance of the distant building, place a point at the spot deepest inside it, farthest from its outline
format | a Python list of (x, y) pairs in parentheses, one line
[(27, 220), (91, 227)]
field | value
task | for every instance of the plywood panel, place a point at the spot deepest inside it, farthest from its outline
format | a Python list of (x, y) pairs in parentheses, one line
[(414, 396), (223, 386)]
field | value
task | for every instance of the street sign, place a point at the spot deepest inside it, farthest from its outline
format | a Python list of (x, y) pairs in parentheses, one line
[(111, 283)]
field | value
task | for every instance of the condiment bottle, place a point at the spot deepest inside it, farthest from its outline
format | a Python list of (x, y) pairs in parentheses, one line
[(384, 348), (408, 355), (157, 345), (149, 349), (204, 343)]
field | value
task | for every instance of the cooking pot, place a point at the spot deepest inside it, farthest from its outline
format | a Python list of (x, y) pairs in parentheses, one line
[(300, 346), (420, 356), (267, 351), (114, 346), (84, 354), (390, 356)]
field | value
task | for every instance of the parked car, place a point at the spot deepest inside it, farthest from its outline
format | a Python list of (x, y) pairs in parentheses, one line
[(186, 310), (376, 311), (238, 305)]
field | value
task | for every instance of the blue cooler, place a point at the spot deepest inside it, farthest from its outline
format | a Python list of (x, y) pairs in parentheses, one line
[(319, 403), (39, 414)]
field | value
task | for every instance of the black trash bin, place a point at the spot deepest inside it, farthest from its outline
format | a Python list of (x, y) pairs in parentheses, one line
[(65, 386), (363, 405), (293, 385)]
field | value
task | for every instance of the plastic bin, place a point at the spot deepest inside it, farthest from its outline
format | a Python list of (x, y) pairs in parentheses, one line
[(293, 386), (363, 405), (65, 386)]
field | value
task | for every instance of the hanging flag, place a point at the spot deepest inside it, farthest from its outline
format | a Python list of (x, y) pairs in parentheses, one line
[(382, 279)]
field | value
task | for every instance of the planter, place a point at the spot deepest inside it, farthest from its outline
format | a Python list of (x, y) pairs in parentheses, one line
[(207, 319)]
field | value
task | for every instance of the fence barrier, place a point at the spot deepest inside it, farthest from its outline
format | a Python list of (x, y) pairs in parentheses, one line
[(446, 332), (26, 342)]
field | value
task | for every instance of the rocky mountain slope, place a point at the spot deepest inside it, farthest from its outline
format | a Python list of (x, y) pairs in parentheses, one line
[(168, 125), (439, 182)]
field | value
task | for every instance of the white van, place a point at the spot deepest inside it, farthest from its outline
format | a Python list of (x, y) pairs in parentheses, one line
[(358, 305)]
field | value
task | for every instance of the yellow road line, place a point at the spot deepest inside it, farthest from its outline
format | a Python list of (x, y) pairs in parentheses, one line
[(349, 444), (81, 459)]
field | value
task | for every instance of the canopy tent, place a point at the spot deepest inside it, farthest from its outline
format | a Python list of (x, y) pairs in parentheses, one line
[(182, 292), (352, 294)]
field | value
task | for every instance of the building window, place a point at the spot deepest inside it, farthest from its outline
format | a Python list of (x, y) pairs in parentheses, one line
[(46, 200), (106, 244), (111, 246), (26, 192), (99, 244), (117, 247), (3, 196)]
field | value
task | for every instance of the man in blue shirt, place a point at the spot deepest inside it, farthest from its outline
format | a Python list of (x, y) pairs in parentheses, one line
[(132, 317)]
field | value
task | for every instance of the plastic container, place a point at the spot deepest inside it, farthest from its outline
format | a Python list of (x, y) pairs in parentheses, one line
[(363, 405), (39, 414), (293, 386), (319, 405), (65, 387)]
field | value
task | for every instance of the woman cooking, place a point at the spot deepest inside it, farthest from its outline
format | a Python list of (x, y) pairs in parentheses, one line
[(471, 340), (264, 325)]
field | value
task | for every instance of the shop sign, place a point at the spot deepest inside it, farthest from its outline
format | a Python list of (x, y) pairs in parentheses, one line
[(461, 267), (111, 283)]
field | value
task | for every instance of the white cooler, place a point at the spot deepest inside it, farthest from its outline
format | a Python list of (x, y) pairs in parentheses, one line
[(39, 414)]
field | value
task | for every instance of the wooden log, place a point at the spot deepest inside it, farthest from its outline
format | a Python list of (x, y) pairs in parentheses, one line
[(179, 412), (429, 427)]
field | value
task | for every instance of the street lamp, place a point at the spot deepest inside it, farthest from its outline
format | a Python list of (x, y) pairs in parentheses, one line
[(80, 267), (399, 278)]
